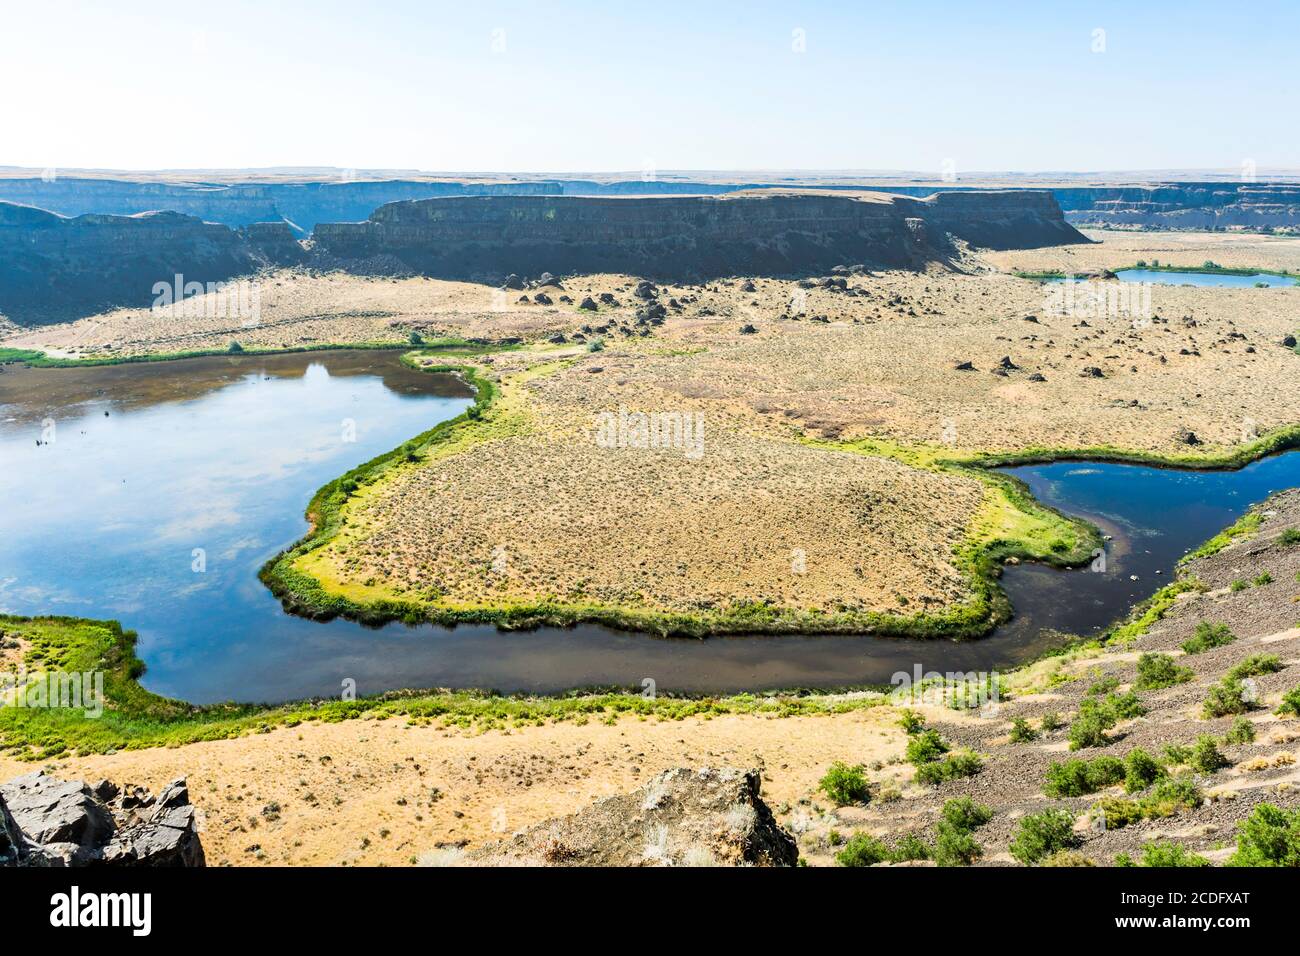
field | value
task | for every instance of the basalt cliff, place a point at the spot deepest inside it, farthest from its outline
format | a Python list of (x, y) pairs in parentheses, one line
[(55, 268), (688, 237)]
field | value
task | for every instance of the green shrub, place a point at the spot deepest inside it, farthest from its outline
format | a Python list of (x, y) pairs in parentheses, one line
[(234, 348), (1169, 854), (1177, 753), (1042, 834), (911, 847), (596, 345), (1021, 732), (844, 785), (1206, 756), (1290, 706), (1238, 585), (1208, 636), (911, 722), (1255, 665), (1103, 685), (1268, 837), (1067, 858), (935, 772), (1076, 778), (925, 747), (1116, 812), (1156, 671), (1226, 698), (862, 850), (954, 844), (1051, 721), (1088, 730), (1290, 536), (415, 338), (1263, 579), (1242, 731), (1140, 770), (1172, 794)]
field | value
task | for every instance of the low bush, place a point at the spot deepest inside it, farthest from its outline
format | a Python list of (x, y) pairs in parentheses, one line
[(954, 844), (844, 785), (935, 772), (1207, 637), (1040, 835), (1241, 732), (1255, 665), (1206, 756), (1157, 671), (1226, 698), (862, 850), (1290, 706), (1021, 731), (911, 722), (1141, 770), (925, 747), (1268, 837), (1077, 778), (1164, 854)]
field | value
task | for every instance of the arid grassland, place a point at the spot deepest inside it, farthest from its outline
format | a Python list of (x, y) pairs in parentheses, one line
[(809, 474), (1178, 730)]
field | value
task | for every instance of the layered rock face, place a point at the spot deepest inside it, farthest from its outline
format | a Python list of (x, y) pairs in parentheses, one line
[(49, 822), (1255, 206), (675, 237), (53, 268), (242, 204), (705, 817)]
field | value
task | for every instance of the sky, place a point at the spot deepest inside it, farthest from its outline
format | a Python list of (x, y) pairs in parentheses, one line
[(622, 85)]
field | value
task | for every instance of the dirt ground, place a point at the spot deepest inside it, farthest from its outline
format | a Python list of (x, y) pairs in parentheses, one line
[(383, 793)]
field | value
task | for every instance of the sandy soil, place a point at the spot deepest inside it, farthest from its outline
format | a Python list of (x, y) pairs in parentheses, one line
[(380, 792)]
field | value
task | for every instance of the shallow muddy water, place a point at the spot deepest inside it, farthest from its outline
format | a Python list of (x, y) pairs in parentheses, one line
[(223, 454)]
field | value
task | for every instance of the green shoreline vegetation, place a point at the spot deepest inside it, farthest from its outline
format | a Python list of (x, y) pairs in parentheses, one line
[(136, 718)]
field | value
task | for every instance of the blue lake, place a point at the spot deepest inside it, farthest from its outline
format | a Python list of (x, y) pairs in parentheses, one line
[(1203, 279), (219, 457)]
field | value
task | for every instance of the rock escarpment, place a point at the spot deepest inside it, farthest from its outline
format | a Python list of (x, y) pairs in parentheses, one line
[(54, 268), (683, 817), (676, 237), (49, 822), (1254, 206)]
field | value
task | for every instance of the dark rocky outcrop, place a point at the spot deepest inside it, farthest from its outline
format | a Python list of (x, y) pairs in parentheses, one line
[(53, 268), (683, 237), (683, 817), (49, 822)]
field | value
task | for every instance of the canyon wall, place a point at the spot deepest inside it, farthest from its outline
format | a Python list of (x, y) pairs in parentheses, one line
[(685, 237), (54, 268)]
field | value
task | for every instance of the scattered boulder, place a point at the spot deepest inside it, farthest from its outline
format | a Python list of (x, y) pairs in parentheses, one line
[(683, 817), (1007, 364), (50, 822), (748, 329), (541, 298), (588, 303), (607, 298), (1187, 437), (1038, 377), (557, 339), (546, 279), (512, 281), (964, 367), (645, 290), (1289, 341), (748, 286), (1092, 371)]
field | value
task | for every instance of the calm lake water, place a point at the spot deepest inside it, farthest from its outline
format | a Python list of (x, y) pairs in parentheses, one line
[(223, 454), (1202, 279)]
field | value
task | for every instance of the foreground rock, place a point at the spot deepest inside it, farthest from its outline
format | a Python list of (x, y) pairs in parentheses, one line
[(50, 822), (683, 817)]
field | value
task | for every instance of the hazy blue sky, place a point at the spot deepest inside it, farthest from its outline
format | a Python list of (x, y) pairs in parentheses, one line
[(620, 85)]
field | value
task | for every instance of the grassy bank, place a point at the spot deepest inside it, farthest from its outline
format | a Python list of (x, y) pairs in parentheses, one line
[(445, 345), (133, 718)]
